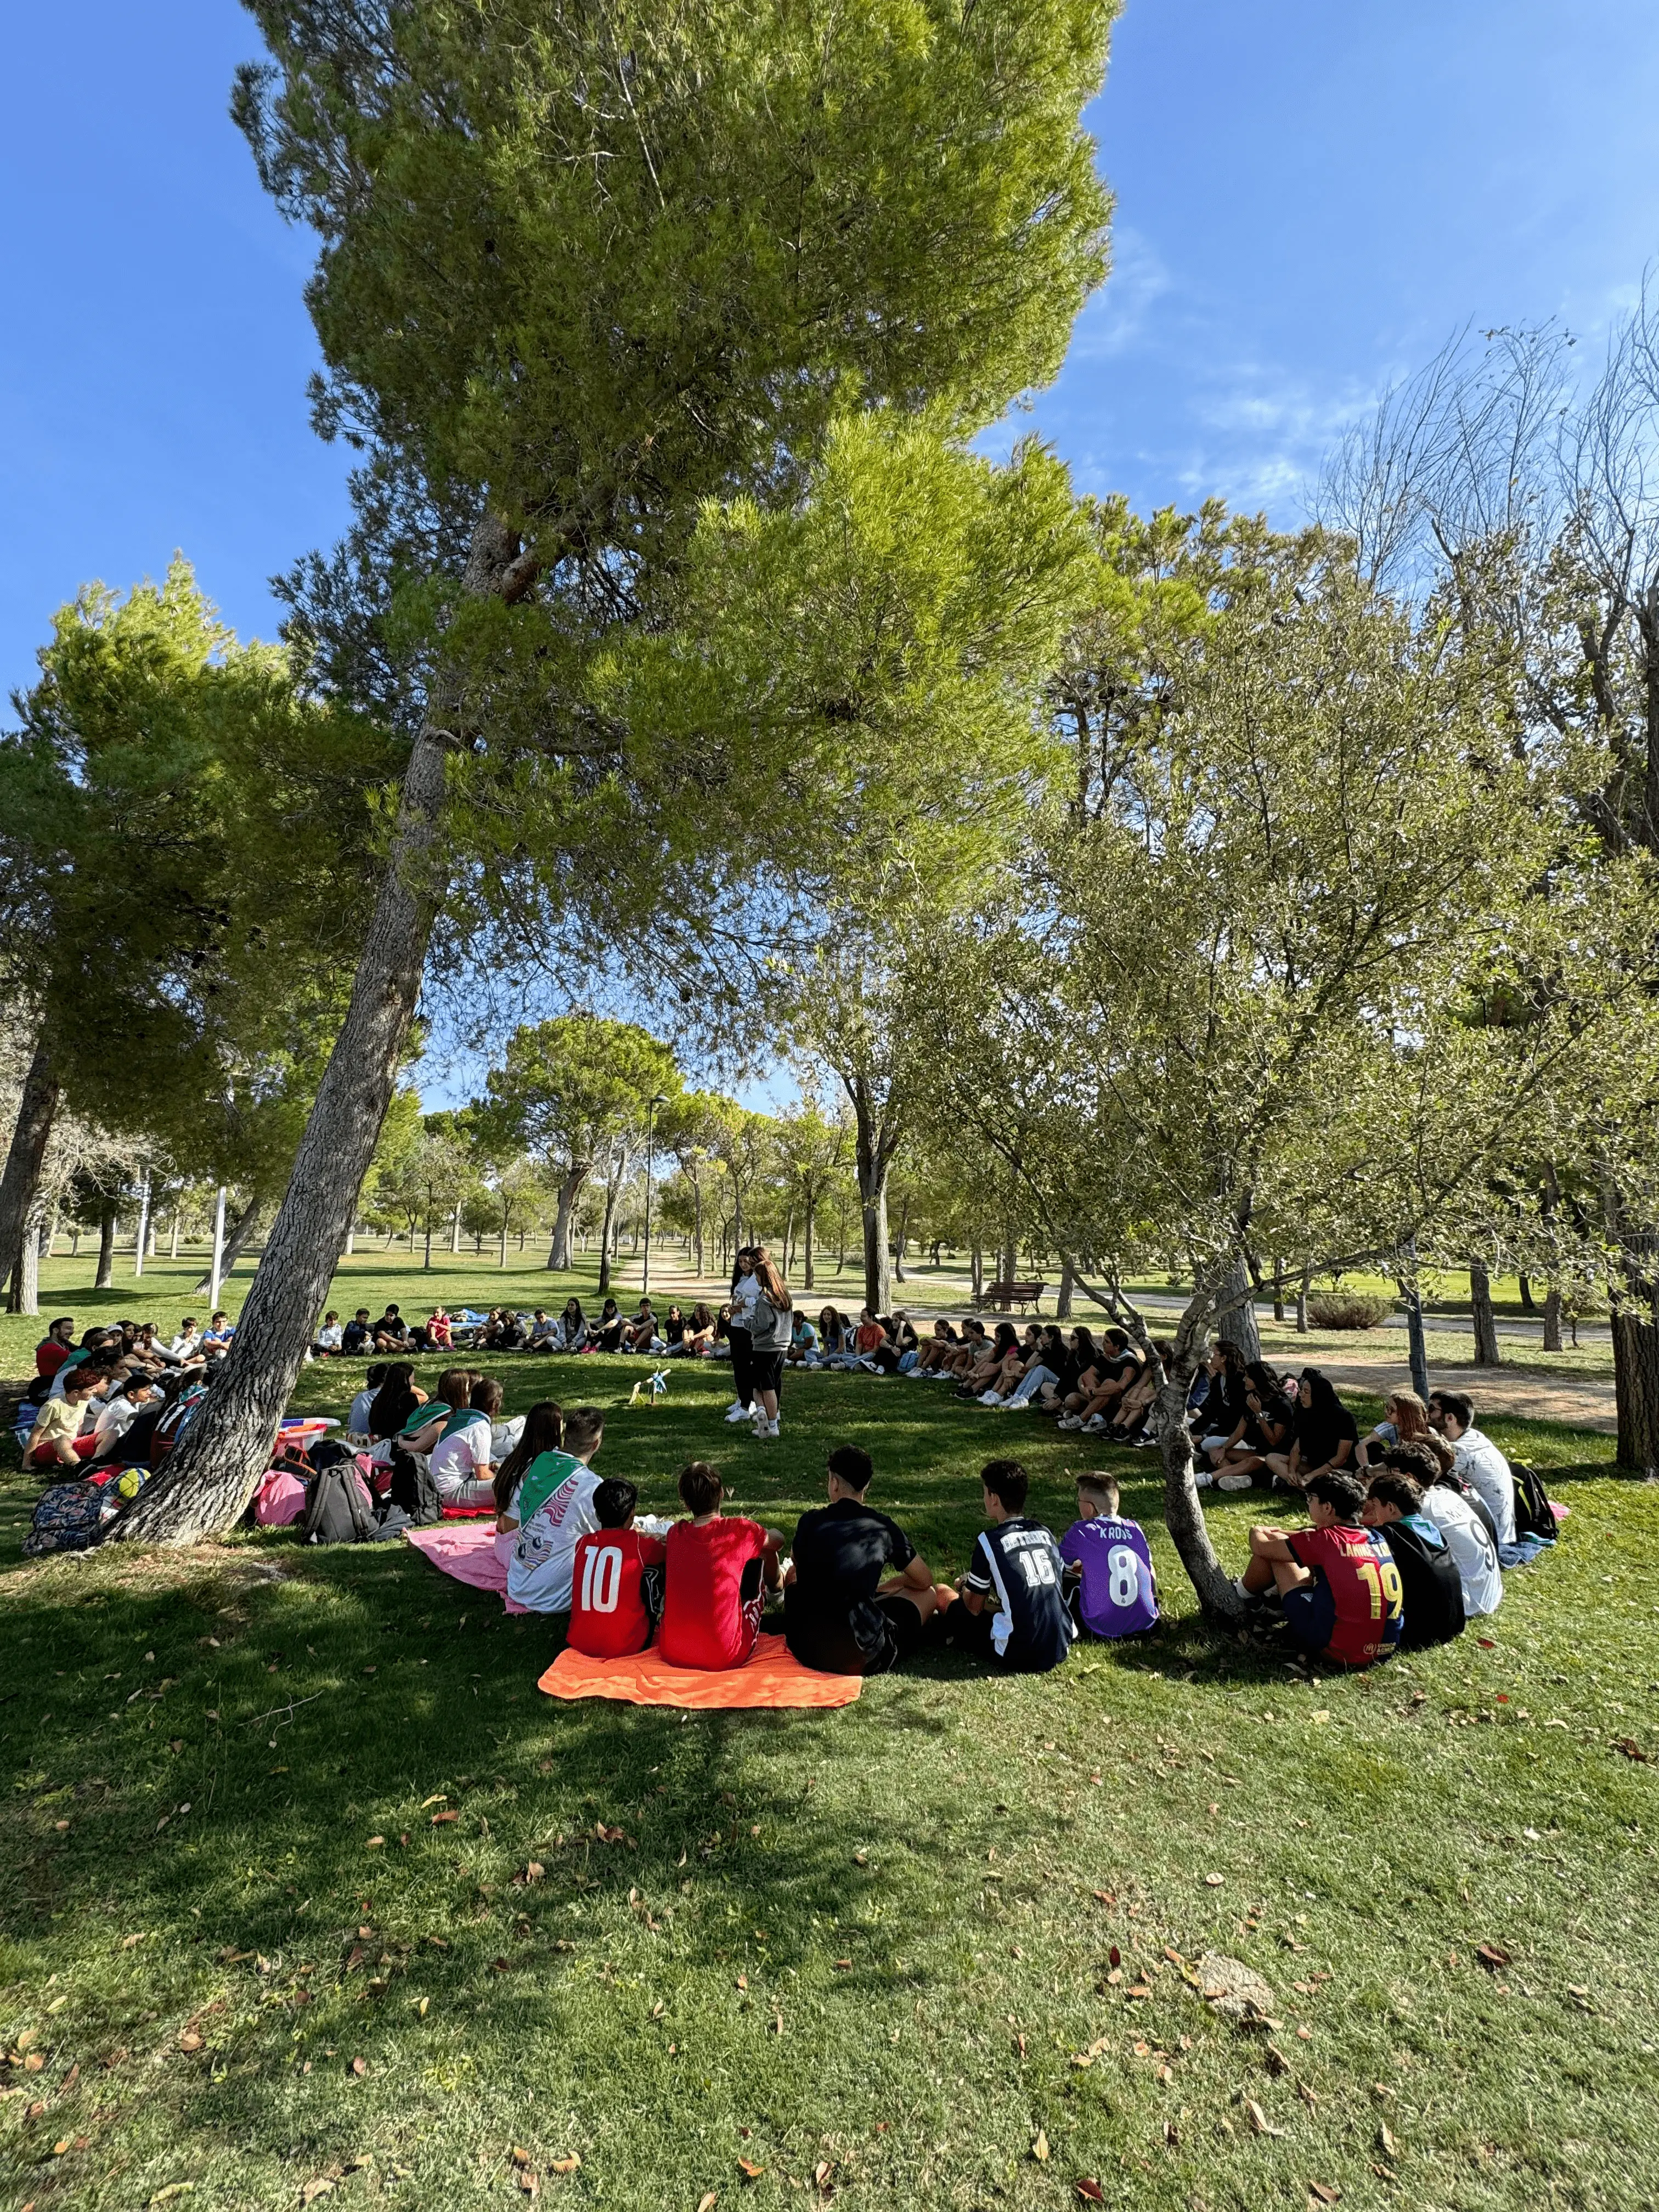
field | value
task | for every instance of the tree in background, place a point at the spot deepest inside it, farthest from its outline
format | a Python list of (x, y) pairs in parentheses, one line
[(570, 1089), (811, 1151), (154, 730), (1220, 1031)]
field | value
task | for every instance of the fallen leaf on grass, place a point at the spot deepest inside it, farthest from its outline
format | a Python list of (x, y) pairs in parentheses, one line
[(1386, 2142), (566, 2165), (1492, 1955), (375, 1843), (1325, 2192), (439, 1819), (750, 2171), (706, 2201), (1259, 2120), (127, 1942), (1091, 2192), (34, 2063), (534, 1871), (189, 2040), (1040, 2147), (359, 2066), (1630, 1749), (821, 2174), (165, 2196), (322, 2186), (528, 2180)]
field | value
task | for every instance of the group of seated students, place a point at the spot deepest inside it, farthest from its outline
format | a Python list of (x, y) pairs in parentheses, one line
[(678, 1334), (857, 1598), (97, 1402)]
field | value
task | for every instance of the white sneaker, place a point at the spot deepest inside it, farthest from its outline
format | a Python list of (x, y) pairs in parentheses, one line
[(1202, 1478), (1094, 1425), (1070, 1421), (989, 1398), (1232, 1482), (739, 1411)]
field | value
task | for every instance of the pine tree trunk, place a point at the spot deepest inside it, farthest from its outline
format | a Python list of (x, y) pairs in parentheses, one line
[(605, 1230), (23, 1296), (1529, 1305), (807, 1282), (235, 1244), (105, 1274), (1183, 1516), (1486, 1352), (1302, 1302), (210, 1475), (558, 1252), (1063, 1296), (1237, 1325), (1552, 1318), (37, 1108), (976, 1271), (900, 1241), (1636, 1390), (696, 1222), (1278, 1290), (173, 1237)]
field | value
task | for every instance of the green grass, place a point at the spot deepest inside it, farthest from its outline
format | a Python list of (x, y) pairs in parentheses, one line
[(870, 1945)]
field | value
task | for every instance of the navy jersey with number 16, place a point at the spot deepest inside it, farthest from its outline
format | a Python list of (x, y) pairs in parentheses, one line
[(1020, 1561)]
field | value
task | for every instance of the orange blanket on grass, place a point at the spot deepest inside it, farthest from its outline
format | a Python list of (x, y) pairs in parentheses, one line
[(772, 1678)]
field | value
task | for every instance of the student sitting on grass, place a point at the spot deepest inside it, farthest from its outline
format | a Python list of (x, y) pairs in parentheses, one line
[(943, 1341), (1463, 1522), (359, 1335), (608, 1332), (331, 1338), (1001, 1354), (803, 1342), (56, 1439), (957, 1361), (1476, 1458), (839, 1615), (391, 1331), (1012, 1607), (1108, 1564), (1431, 1589), (1265, 1427), (640, 1333), (616, 1580), (698, 1341), (399, 1396), (463, 1454), (358, 1414), (439, 1331), (1405, 1421), (717, 1575), (1325, 1434), (118, 1413), (1337, 1582), (573, 1327), (555, 1509), (543, 1431)]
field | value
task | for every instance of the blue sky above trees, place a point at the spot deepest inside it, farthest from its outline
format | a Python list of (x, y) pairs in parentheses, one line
[(1309, 199)]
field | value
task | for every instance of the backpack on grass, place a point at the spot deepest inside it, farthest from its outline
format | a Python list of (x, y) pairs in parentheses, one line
[(68, 1517), (413, 1488), (1534, 1516), (338, 1512)]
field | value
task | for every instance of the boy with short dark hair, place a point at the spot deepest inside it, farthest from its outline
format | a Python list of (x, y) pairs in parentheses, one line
[(357, 1332), (1338, 1581), (1109, 1577), (615, 1591), (1017, 1566), (555, 1510), (839, 1615), (1430, 1586), (716, 1576)]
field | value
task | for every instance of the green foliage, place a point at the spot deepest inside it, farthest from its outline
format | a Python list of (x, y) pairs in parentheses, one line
[(569, 1085), (196, 829)]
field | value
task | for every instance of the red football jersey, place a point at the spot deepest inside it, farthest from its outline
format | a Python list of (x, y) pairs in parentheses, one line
[(609, 1616), (712, 1605), (1364, 1584)]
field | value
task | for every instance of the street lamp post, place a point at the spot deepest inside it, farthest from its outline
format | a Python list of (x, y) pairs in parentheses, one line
[(652, 1105)]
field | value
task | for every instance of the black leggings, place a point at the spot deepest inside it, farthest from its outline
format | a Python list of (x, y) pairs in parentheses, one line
[(743, 1366)]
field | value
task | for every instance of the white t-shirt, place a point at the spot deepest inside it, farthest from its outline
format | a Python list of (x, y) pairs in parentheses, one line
[(456, 1459), (1470, 1545), (545, 1555), (1485, 1468), (185, 1343), (115, 1416), (742, 1300), (329, 1336)]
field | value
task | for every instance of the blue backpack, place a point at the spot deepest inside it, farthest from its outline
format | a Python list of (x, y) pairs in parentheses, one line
[(68, 1517)]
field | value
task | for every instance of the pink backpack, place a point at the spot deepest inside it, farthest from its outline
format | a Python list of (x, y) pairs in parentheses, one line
[(280, 1498)]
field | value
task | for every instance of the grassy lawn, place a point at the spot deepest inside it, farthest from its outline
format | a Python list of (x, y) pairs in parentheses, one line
[(868, 1953)]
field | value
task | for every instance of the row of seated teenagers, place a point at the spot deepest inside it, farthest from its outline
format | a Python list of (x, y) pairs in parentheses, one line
[(857, 1596), (100, 1399), (677, 1333)]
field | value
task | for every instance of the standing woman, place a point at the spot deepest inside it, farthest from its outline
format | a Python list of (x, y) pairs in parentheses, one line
[(745, 1290), (771, 1322)]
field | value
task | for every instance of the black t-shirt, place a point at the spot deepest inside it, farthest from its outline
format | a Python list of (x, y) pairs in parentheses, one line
[(1431, 1589), (392, 1325), (840, 1553), (1319, 1431), (1019, 1562), (674, 1330), (611, 1333)]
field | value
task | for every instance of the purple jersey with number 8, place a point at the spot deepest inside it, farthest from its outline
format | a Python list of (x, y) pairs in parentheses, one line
[(1119, 1592)]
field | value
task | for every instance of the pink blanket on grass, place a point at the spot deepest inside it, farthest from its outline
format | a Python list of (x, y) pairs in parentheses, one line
[(465, 1549)]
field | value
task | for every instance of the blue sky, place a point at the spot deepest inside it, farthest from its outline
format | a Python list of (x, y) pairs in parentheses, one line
[(1310, 198)]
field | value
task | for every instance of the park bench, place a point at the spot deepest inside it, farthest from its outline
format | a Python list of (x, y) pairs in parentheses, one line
[(1002, 1298)]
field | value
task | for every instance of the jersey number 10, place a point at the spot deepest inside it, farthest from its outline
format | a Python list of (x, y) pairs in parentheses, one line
[(601, 1579)]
